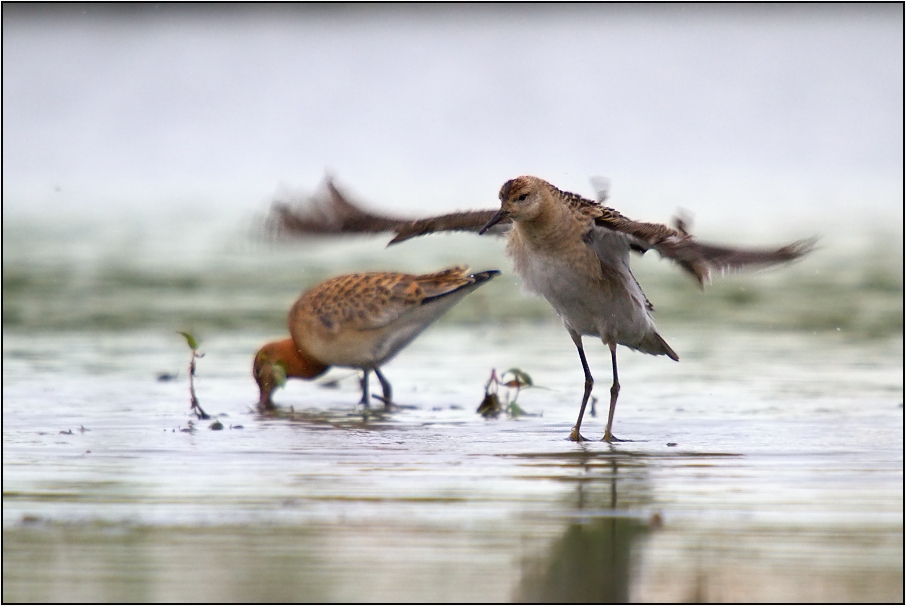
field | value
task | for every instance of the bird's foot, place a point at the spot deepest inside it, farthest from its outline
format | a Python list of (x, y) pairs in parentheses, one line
[(575, 436), (388, 404), (267, 408), (610, 438)]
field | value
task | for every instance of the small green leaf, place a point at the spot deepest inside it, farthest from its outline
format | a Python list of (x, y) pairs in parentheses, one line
[(521, 376), (515, 410), (280, 373), (190, 340)]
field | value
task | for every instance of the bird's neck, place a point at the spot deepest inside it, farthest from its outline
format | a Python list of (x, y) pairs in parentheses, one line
[(298, 364), (554, 227)]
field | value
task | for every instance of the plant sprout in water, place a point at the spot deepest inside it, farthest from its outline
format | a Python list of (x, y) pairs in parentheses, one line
[(490, 406), (195, 406)]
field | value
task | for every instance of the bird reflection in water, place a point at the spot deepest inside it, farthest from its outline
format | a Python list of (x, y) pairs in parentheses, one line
[(592, 560)]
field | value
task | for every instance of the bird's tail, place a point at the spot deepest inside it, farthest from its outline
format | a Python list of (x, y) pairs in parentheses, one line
[(655, 345)]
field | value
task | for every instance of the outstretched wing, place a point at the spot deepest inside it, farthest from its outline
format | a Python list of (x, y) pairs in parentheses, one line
[(332, 213), (327, 213), (698, 258), (470, 220)]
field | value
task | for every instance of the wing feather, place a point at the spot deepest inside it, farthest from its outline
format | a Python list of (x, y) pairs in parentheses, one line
[(699, 258), (470, 220), (330, 214), (335, 214)]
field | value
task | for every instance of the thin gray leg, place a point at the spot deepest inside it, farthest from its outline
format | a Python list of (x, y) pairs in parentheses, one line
[(364, 400), (614, 393), (385, 386), (589, 382)]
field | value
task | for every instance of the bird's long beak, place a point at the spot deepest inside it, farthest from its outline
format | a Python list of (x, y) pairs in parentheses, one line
[(497, 218)]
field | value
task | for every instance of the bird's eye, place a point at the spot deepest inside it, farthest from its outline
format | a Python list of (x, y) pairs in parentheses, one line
[(523, 196)]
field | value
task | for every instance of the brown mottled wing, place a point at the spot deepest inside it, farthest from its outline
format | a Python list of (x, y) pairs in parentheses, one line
[(335, 214), (698, 258)]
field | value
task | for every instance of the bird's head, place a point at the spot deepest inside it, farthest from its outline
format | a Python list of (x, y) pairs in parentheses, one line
[(521, 199), (278, 361), (269, 373)]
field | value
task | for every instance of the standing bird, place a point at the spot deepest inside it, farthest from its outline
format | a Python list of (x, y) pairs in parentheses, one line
[(571, 251), (361, 321)]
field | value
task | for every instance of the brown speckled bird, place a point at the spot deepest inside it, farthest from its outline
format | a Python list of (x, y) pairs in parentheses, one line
[(360, 321)]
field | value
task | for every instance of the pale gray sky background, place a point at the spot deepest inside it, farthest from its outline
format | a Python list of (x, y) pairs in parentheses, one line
[(707, 107)]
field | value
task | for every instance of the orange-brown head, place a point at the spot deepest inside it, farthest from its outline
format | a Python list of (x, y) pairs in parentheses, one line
[(278, 361), (521, 199)]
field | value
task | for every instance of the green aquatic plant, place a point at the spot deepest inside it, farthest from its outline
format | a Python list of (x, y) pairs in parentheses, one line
[(195, 406), (520, 378), (491, 407)]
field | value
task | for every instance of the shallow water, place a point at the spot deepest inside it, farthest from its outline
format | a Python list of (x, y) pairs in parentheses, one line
[(766, 465), (782, 469)]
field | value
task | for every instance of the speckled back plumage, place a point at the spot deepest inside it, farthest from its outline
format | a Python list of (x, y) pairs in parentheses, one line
[(364, 319), (371, 300)]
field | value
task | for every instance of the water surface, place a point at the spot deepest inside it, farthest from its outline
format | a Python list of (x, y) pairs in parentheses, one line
[(766, 465)]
